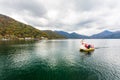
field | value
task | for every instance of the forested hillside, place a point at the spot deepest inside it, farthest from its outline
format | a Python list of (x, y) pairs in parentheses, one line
[(52, 35), (12, 29)]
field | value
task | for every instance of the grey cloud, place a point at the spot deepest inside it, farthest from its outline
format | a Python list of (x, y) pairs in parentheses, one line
[(71, 15), (86, 22), (32, 7), (86, 5)]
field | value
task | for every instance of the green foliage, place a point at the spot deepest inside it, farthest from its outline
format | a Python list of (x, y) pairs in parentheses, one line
[(12, 29), (53, 35), (9, 28)]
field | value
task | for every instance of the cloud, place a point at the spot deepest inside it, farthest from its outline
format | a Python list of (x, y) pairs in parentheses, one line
[(82, 16), (24, 6)]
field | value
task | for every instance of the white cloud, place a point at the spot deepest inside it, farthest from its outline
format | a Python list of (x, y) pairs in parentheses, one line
[(82, 16), (52, 15)]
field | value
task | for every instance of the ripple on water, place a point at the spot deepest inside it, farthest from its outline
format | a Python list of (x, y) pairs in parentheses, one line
[(59, 60)]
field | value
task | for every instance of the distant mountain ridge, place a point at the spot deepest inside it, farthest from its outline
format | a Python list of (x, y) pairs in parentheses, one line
[(102, 34), (106, 34), (51, 34), (71, 35), (12, 29)]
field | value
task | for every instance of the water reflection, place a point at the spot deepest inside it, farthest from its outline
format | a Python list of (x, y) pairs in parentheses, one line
[(85, 55), (55, 54)]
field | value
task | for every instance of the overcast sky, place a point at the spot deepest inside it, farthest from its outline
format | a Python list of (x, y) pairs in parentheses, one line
[(82, 16)]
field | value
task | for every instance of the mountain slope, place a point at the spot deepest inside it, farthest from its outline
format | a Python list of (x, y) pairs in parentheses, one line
[(102, 35), (66, 34), (106, 34), (115, 35), (12, 29), (52, 35), (71, 35)]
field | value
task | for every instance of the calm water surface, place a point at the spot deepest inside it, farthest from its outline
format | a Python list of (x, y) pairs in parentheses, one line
[(59, 60)]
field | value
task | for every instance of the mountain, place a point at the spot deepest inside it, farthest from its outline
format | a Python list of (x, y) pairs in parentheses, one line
[(78, 36), (115, 35), (66, 34), (52, 35), (102, 34), (12, 29), (71, 35), (106, 35)]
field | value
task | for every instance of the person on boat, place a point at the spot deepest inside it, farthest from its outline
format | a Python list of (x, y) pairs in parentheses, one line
[(87, 46)]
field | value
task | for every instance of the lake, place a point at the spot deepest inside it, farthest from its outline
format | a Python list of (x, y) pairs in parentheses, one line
[(59, 60)]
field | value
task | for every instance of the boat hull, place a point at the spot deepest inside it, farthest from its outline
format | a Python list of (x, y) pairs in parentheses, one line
[(87, 50)]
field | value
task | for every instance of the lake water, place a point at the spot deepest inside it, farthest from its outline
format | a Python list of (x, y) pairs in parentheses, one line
[(59, 60)]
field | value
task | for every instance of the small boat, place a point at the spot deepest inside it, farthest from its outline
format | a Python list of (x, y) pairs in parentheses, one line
[(87, 50), (86, 47)]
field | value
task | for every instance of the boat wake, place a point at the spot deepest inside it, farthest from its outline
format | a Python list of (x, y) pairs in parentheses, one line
[(100, 47)]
